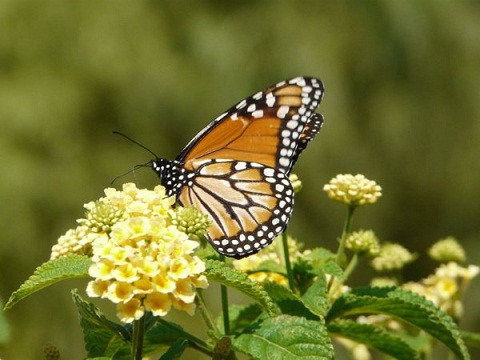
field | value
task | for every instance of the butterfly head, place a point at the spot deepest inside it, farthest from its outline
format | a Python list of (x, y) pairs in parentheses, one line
[(172, 174)]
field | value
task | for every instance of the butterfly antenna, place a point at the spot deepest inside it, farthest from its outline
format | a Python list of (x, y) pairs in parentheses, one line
[(147, 164), (136, 143)]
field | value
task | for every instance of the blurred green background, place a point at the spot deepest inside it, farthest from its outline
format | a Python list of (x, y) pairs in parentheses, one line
[(402, 106)]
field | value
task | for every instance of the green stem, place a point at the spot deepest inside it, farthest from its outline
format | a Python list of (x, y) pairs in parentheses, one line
[(338, 282), (206, 314), (346, 230), (226, 317), (138, 335), (288, 265)]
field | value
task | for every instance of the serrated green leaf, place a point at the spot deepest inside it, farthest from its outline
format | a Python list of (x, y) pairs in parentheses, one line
[(374, 337), (219, 272), (403, 305), (285, 337), (315, 298), (288, 302), (324, 261), (49, 273), (102, 337)]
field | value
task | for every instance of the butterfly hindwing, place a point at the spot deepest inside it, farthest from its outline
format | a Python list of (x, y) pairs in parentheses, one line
[(249, 204)]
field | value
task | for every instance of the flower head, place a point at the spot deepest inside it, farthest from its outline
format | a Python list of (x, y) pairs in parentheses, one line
[(363, 242), (353, 190), (392, 257), (190, 220), (142, 258), (448, 249), (446, 287), (296, 182)]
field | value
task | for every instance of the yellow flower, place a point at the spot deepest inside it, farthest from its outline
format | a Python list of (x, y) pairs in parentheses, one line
[(353, 190), (446, 286), (296, 182), (159, 304), (130, 311), (141, 259)]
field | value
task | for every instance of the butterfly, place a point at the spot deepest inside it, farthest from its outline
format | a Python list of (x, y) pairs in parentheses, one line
[(236, 169)]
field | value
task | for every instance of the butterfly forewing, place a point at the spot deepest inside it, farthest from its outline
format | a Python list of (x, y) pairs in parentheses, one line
[(263, 128), (248, 210)]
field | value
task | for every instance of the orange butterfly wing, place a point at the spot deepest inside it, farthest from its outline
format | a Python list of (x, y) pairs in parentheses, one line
[(236, 169), (264, 128)]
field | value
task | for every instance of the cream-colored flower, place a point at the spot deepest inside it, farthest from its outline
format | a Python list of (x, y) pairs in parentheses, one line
[(363, 242), (190, 221), (296, 182), (392, 257), (448, 249), (141, 259), (353, 190), (446, 287), (130, 311)]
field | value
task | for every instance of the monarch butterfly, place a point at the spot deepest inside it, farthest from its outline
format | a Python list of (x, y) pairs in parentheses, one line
[(236, 169)]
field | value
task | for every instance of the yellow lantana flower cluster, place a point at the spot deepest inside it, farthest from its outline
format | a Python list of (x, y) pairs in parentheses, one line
[(353, 190), (446, 287), (142, 261)]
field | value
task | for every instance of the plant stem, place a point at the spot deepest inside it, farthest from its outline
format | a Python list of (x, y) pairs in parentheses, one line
[(346, 230), (138, 335), (338, 282), (226, 317), (206, 314), (288, 265)]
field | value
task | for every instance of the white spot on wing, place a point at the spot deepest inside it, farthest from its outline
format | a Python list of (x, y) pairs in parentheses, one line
[(283, 111)]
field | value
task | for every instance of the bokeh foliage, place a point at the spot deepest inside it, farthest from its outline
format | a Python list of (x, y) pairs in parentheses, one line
[(402, 106)]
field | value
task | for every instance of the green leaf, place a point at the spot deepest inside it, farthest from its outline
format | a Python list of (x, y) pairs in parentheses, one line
[(315, 298), (176, 350), (374, 337), (102, 337), (49, 273), (285, 337), (288, 302), (165, 333), (219, 272), (324, 261), (403, 305)]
